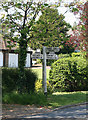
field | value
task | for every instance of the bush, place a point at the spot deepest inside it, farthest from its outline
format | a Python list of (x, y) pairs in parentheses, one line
[(39, 61), (10, 80), (24, 99), (50, 62), (64, 55), (39, 89), (74, 54), (69, 74)]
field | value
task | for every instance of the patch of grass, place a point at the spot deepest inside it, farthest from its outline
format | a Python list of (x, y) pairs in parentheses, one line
[(39, 73), (24, 99), (66, 98), (51, 101)]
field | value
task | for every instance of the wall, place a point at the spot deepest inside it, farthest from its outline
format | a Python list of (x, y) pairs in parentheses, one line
[(1, 59), (11, 59)]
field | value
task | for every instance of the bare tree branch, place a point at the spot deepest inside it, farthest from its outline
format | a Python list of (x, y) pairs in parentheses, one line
[(25, 17)]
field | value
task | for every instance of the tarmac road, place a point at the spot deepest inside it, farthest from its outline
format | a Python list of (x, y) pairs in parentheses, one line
[(80, 111), (75, 112)]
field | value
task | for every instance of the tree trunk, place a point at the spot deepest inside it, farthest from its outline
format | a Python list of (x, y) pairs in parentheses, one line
[(22, 59)]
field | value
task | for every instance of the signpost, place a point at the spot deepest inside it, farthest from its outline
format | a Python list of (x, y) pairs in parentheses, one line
[(44, 71), (51, 55), (52, 49), (37, 55)]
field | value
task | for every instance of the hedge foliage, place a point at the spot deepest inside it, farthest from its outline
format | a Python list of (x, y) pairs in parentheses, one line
[(39, 88), (78, 54), (69, 74), (10, 80)]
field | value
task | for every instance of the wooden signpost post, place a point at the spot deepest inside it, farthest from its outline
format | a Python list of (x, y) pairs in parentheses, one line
[(51, 55)]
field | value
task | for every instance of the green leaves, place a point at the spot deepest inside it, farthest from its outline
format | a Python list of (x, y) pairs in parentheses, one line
[(75, 10), (47, 29), (20, 20), (83, 27), (18, 4), (46, 4), (9, 42), (69, 74)]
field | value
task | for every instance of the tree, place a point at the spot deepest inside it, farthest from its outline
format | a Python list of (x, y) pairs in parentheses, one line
[(50, 30), (17, 23), (83, 37), (80, 33)]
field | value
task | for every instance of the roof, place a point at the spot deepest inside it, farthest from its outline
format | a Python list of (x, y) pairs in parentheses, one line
[(3, 45)]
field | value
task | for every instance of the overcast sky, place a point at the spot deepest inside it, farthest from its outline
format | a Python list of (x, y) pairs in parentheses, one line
[(69, 17)]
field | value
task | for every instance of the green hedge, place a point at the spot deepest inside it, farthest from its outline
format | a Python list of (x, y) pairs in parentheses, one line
[(50, 62), (39, 88), (69, 74), (10, 80), (74, 54)]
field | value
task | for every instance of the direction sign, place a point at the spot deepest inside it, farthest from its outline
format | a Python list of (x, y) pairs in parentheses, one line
[(37, 55), (52, 49), (51, 56)]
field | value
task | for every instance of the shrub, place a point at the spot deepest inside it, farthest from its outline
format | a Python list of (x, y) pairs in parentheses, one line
[(69, 74), (64, 55), (39, 61), (50, 62), (74, 54), (24, 99), (10, 80), (38, 86)]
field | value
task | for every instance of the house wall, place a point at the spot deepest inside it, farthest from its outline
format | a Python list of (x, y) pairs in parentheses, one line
[(5, 58), (28, 60), (11, 59), (1, 59)]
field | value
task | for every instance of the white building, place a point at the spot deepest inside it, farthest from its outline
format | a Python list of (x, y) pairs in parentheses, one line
[(9, 58)]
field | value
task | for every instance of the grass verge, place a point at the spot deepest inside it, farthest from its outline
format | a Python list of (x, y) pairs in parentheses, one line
[(59, 99), (52, 101)]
